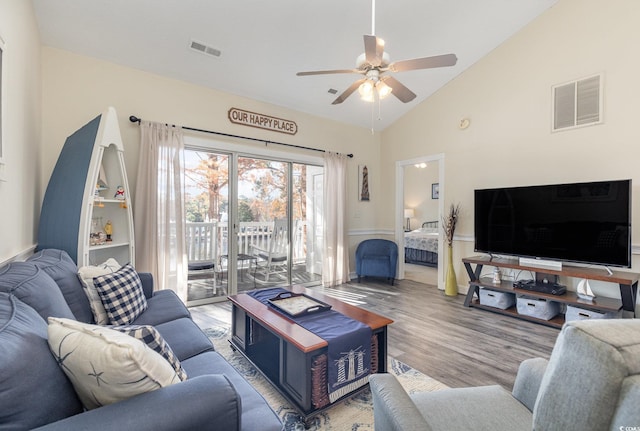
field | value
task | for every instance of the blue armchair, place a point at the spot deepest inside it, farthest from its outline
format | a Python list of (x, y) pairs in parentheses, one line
[(377, 258)]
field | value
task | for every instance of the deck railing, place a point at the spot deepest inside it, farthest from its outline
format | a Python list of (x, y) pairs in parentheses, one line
[(207, 241)]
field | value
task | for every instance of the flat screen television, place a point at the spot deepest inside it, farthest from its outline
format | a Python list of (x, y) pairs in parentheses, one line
[(579, 222)]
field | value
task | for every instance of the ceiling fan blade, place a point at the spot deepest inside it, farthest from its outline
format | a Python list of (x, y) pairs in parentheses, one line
[(424, 63), (373, 50), (346, 93), (399, 90), (327, 72)]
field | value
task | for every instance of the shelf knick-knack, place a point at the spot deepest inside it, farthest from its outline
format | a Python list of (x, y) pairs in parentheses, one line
[(108, 230), (584, 290), (97, 236)]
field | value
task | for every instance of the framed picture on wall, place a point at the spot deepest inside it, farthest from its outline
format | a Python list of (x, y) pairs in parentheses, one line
[(363, 183), (435, 191)]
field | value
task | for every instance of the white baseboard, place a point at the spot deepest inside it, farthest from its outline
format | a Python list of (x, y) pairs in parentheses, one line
[(22, 256)]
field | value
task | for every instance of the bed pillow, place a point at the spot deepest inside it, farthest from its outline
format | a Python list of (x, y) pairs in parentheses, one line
[(106, 366), (86, 275), (152, 338), (428, 230), (121, 295)]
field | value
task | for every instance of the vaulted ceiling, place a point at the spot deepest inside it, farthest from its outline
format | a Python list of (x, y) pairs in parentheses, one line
[(263, 44)]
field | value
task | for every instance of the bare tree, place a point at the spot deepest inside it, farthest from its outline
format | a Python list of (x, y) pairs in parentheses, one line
[(268, 180)]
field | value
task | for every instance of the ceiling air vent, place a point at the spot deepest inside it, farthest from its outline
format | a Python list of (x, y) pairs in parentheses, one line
[(577, 103), (204, 49)]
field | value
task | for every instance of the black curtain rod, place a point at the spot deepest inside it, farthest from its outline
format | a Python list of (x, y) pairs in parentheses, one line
[(135, 119)]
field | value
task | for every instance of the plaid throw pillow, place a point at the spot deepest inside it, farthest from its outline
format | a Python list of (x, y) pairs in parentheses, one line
[(152, 338), (121, 294)]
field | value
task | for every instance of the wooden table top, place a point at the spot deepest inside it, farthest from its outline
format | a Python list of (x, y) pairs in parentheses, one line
[(284, 327), (620, 277)]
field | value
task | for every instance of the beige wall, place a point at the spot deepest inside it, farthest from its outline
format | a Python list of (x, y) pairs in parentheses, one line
[(507, 96), (77, 88), (20, 193)]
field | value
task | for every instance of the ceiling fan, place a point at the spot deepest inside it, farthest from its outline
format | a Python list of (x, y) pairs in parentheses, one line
[(375, 62)]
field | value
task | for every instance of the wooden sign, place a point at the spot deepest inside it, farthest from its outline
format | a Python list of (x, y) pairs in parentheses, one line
[(253, 119)]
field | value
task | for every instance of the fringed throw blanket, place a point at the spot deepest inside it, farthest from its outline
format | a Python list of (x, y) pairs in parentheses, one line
[(349, 345)]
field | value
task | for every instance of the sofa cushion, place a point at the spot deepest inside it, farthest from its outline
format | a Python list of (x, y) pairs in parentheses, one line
[(484, 407), (106, 366), (256, 413), (86, 275), (163, 306), (122, 295), (59, 266), (33, 391), (33, 286), (185, 338), (152, 338)]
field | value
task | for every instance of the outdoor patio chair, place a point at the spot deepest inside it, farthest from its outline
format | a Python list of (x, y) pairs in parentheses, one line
[(201, 251), (274, 258)]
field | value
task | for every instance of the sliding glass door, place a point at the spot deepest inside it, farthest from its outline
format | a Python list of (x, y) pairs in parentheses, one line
[(263, 213), (207, 224), (261, 218)]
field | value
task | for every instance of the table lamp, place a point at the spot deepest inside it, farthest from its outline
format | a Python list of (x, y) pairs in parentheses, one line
[(408, 213)]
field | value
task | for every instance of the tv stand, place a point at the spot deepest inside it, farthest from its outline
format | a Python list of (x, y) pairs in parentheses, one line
[(627, 282)]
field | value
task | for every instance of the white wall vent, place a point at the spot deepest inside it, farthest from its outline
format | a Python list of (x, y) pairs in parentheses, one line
[(577, 103), (204, 49)]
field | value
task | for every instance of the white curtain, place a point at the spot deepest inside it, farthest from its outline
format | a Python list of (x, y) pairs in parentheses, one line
[(159, 207), (335, 268)]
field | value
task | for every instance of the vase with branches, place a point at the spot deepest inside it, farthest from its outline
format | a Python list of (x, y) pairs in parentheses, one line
[(449, 222)]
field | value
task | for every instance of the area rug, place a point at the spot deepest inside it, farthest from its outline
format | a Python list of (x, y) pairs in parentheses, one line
[(354, 413)]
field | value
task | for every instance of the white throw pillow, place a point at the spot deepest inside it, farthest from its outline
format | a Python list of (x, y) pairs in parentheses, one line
[(87, 274), (106, 366)]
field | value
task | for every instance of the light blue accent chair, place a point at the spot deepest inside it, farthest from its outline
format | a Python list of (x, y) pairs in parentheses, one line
[(591, 382), (377, 258)]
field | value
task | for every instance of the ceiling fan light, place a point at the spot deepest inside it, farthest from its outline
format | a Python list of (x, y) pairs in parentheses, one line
[(367, 97), (383, 89), (366, 90)]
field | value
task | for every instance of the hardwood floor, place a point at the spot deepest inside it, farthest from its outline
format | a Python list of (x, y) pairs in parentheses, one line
[(435, 334)]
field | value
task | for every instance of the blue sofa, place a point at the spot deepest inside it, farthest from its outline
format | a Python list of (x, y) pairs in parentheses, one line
[(377, 258), (36, 393)]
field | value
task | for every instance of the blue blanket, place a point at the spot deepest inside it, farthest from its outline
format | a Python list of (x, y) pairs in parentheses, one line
[(349, 345)]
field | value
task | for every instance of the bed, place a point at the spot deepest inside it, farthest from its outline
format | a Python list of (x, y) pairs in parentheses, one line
[(421, 245)]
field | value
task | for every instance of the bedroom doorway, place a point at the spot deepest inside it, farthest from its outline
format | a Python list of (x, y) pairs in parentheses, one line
[(419, 208)]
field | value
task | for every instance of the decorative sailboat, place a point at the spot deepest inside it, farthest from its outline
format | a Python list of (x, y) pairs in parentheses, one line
[(584, 290), (102, 179)]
